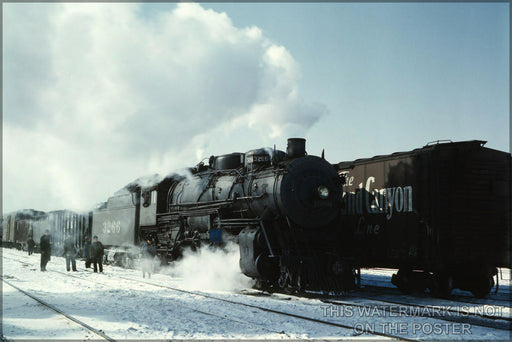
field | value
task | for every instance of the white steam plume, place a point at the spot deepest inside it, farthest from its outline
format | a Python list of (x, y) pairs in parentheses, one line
[(96, 95), (209, 269)]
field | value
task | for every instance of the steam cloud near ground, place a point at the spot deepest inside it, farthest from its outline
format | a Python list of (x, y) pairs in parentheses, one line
[(96, 95), (210, 269)]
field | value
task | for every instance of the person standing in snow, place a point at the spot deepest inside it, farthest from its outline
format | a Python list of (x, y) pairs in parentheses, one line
[(97, 250), (70, 253), (46, 249), (87, 252), (30, 245), (147, 253)]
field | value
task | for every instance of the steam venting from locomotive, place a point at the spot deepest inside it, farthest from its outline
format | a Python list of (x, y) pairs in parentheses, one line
[(210, 269)]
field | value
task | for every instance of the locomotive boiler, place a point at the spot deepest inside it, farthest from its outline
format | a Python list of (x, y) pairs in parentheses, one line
[(281, 207)]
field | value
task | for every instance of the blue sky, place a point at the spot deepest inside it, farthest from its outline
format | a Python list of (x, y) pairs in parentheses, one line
[(394, 76), (96, 95)]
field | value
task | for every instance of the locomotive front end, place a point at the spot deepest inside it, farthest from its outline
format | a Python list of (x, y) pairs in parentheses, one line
[(310, 192), (298, 243)]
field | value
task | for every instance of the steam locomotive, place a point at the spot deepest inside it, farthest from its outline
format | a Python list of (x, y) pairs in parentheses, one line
[(283, 209)]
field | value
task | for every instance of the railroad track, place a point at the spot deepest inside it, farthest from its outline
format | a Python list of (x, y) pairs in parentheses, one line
[(181, 305), (390, 307), (360, 331), (504, 296), (503, 300), (310, 319), (59, 311), (402, 308), (445, 313)]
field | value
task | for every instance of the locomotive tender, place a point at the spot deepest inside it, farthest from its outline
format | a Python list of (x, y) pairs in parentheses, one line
[(441, 214), (283, 209)]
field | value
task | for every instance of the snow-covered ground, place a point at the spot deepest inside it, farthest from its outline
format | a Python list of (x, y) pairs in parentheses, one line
[(117, 303), (25, 318)]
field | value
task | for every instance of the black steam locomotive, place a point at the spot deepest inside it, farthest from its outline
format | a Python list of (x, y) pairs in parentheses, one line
[(283, 209)]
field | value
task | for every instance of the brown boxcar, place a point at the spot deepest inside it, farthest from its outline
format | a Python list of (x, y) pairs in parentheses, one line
[(441, 214)]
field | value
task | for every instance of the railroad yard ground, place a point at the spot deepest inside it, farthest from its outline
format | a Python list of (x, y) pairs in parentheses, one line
[(119, 304)]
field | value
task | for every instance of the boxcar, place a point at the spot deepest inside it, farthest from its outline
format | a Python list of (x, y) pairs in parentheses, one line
[(62, 223), (440, 214), (18, 226)]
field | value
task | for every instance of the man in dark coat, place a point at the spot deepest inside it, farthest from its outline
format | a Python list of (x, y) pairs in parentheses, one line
[(70, 253), (30, 245), (87, 252), (148, 252), (46, 249), (97, 250)]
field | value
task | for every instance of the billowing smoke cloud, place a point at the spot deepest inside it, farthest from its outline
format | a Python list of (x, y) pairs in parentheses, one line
[(210, 269), (96, 95)]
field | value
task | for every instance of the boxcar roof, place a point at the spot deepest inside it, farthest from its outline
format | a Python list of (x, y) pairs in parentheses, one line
[(429, 147), (26, 213)]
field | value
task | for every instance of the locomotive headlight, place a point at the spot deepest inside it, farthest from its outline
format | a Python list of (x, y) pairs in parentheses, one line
[(323, 192)]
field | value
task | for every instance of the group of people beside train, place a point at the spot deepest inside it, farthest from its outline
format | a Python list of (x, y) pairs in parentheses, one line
[(93, 252)]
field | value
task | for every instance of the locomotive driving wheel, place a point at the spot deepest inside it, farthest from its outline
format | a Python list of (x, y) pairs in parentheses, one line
[(263, 285), (290, 282), (285, 279)]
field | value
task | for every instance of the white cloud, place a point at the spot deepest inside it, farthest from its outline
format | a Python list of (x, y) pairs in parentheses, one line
[(96, 95)]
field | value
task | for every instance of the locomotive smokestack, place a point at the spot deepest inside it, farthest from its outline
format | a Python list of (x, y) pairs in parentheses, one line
[(296, 147)]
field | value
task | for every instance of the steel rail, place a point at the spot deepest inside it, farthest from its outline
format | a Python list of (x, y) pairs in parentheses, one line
[(505, 324), (315, 320), (361, 331), (77, 321), (500, 297), (181, 305)]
